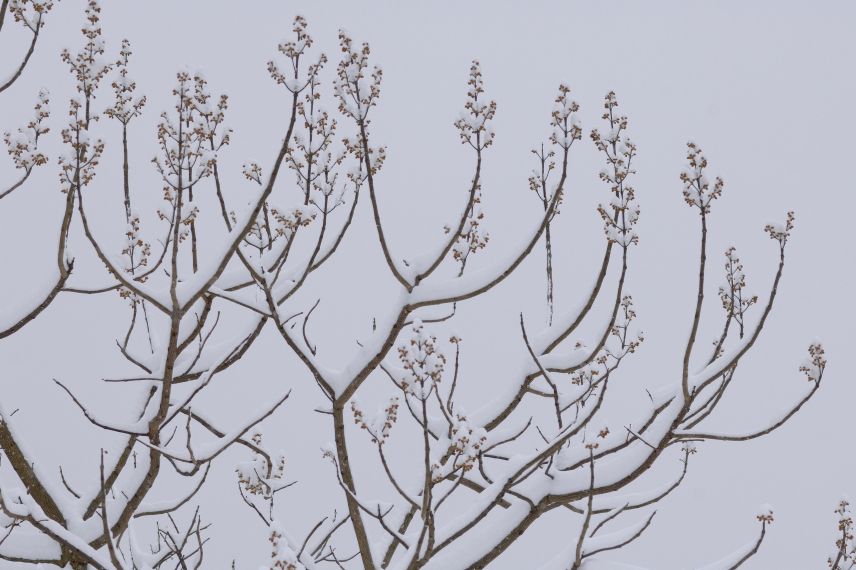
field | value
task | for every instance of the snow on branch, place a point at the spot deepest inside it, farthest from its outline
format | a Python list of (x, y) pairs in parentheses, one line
[(451, 488)]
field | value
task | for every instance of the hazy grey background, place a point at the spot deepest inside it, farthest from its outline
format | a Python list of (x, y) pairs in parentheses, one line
[(766, 88)]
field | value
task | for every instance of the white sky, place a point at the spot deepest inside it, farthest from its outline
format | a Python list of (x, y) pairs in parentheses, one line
[(764, 87)]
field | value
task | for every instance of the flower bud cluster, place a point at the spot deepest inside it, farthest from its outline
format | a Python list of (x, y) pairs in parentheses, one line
[(781, 232), (126, 105), (136, 250), (540, 177), (357, 89), (311, 157), (845, 549), (380, 426), (293, 50), (88, 65), (23, 146), (621, 214), (467, 441), (282, 556), (585, 376), (566, 125), (473, 124), (189, 142), (765, 514), (423, 362), (814, 366), (288, 221), (77, 169), (731, 295), (472, 237), (697, 189), (210, 116), (258, 477), (252, 171), (31, 13), (628, 344)]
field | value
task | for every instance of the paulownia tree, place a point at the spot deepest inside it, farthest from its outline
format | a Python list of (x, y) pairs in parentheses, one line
[(466, 486)]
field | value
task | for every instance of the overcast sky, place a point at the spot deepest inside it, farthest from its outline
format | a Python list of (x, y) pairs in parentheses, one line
[(766, 88)]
